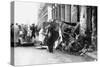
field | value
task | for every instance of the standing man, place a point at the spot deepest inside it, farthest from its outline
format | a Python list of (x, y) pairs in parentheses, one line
[(54, 34), (33, 30)]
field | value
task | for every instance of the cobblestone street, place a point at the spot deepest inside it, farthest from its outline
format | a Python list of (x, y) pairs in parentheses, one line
[(32, 55)]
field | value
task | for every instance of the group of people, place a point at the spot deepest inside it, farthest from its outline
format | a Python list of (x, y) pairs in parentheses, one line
[(50, 35), (22, 33), (27, 33), (71, 42)]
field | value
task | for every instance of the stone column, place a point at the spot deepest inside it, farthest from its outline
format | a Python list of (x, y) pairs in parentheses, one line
[(58, 12), (62, 12), (94, 27), (83, 20), (73, 13), (49, 13), (68, 13)]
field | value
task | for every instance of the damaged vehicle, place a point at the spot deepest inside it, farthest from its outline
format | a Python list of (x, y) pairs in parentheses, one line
[(72, 41)]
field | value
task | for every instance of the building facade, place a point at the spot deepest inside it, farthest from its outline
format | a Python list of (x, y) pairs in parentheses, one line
[(86, 16), (65, 12), (45, 14)]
